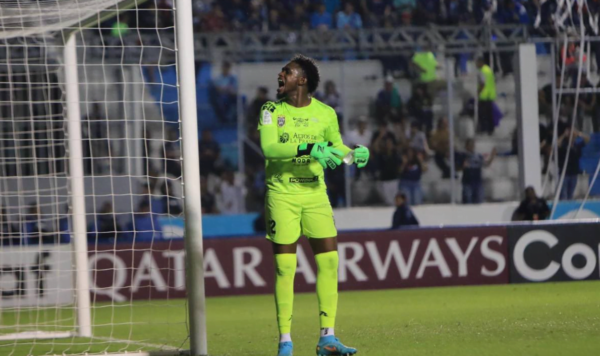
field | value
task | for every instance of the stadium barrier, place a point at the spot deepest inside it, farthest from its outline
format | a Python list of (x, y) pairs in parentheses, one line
[(368, 260), (381, 217)]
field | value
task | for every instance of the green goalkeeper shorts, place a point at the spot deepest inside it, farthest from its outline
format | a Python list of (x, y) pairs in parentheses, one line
[(291, 216)]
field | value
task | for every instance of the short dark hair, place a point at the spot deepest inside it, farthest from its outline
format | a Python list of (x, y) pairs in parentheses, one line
[(310, 69)]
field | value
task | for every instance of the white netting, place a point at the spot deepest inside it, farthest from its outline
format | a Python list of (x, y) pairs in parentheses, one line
[(132, 166), (23, 18)]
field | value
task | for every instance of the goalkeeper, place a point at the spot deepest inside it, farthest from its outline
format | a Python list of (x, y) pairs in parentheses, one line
[(300, 138)]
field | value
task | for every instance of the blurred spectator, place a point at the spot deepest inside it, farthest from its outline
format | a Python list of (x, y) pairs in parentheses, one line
[(223, 94), (374, 11), (253, 156), (215, 20), (96, 144), (545, 98), (404, 5), (402, 133), (349, 19), (418, 140), (253, 112), (64, 228), (207, 199), (155, 201), (388, 106), (237, 12), (456, 11), (532, 208), (336, 186), (587, 103), (35, 228), (412, 168), (144, 226), (275, 23), (361, 135), (572, 169), (428, 12), (332, 6), (425, 65), (332, 98), (209, 153), (9, 234), (387, 165), (106, 226), (440, 143), (383, 133), (420, 107), (321, 19), (487, 95), (472, 179), (230, 198), (512, 12), (403, 216), (299, 19)]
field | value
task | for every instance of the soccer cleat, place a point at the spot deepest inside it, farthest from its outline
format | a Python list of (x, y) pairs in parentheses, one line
[(331, 346), (285, 349)]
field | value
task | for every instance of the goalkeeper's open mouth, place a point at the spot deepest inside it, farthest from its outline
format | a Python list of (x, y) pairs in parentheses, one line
[(280, 86)]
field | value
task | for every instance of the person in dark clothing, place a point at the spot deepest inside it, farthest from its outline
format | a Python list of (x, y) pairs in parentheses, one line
[(209, 153), (532, 208), (472, 179), (388, 105), (387, 169), (572, 169), (106, 227), (9, 234), (144, 226), (253, 112), (403, 216), (412, 167), (207, 200), (420, 106)]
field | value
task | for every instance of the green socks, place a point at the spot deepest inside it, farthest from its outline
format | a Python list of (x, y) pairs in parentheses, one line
[(285, 271), (327, 287)]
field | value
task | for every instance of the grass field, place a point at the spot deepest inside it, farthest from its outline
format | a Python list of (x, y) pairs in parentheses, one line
[(529, 319)]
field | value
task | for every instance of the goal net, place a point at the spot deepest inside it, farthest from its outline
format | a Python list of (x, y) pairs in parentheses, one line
[(91, 187)]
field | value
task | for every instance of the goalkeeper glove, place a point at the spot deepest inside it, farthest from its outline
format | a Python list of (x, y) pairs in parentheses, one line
[(324, 154), (361, 156)]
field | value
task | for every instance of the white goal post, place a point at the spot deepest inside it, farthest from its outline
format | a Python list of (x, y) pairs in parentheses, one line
[(97, 115)]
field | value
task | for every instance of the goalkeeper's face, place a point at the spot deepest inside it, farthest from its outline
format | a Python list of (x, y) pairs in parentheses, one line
[(289, 80)]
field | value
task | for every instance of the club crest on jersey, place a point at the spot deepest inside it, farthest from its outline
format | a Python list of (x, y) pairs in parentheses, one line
[(280, 121)]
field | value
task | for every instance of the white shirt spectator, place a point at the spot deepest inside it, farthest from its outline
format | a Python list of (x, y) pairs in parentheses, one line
[(359, 136), (354, 137), (230, 199)]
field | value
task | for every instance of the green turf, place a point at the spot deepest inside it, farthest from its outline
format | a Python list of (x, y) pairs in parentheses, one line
[(530, 319)]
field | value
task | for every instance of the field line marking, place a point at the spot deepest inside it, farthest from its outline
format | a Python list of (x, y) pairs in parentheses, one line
[(135, 343)]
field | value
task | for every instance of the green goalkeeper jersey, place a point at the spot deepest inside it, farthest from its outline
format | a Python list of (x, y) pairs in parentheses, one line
[(282, 128)]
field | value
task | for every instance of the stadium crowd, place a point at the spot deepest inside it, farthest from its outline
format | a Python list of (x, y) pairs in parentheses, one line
[(292, 15)]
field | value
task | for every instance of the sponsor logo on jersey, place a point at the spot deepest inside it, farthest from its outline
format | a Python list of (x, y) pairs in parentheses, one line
[(283, 138), (269, 106), (277, 178), (301, 160), (266, 118), (304, 138), (280, 121), (300, 121), (304, 180)]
